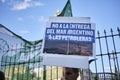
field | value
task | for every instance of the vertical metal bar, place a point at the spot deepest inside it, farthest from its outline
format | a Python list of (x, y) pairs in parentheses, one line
[(108, 54), (39, 66), (22, 70), (19, 62), (89, 72), (96, 76), (23, 63), (14, 61), (101, 54), (33, 52), (57, 72), (118, 32), (39, 63), (114, 60), (5, 62), (9, 64), (28, 51), (44, 72), (17, 70), (51, 72), (115, 51), (12, 64)]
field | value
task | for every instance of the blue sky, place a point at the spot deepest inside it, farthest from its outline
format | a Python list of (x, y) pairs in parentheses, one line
[(27, 17)]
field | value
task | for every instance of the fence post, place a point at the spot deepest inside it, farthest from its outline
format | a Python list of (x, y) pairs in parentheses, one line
[(44, 72)]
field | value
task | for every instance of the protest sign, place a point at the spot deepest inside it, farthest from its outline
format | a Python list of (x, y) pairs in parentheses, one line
[(69, 36)]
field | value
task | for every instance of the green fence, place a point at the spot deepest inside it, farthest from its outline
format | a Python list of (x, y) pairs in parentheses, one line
[(25, 63)]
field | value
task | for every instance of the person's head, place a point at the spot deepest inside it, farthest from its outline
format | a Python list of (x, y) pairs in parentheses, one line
[(2, 76), (70, 73)]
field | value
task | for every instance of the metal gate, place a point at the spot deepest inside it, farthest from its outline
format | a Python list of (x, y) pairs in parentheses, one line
[(27, 65), (107, 60)]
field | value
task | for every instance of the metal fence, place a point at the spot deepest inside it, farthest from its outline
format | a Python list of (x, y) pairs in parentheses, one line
[(24, 63), (107, 60)]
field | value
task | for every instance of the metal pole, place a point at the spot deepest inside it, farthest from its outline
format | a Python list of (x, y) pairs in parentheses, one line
[(44, 72), (101, 55), (108, 53)]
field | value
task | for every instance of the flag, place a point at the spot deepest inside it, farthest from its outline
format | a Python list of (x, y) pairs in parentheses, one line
[(15, 49), (67, 10), (8, 39)]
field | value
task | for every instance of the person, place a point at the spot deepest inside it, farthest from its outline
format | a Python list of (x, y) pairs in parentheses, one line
[(2, 76), (70, 73)]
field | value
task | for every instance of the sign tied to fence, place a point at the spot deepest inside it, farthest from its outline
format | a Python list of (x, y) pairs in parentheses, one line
[(69, 37)]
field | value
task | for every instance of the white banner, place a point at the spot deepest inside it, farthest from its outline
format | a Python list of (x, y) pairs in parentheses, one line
[(66, 61)]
